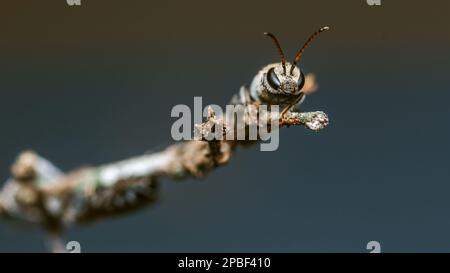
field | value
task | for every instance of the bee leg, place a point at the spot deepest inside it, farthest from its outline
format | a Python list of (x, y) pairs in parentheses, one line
[(291, 105), (297, 106)]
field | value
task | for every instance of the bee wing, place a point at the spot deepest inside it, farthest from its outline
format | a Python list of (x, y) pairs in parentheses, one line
[(311, 85)]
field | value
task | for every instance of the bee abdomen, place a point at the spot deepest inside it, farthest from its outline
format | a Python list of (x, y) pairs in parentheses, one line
[(243, 97)]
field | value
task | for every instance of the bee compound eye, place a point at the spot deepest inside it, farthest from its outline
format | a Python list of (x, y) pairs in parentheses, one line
[(301, 81), (272, 79)]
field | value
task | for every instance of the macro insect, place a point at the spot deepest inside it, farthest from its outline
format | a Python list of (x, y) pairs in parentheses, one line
[(278, 83)]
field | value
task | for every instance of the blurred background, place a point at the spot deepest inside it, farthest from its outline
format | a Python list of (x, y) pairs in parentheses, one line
[(94, 84)]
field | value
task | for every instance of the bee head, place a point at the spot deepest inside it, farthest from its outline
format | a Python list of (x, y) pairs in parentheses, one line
[(281, 81), (277, 81)]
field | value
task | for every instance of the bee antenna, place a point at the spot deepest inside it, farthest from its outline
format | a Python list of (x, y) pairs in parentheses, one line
[(300, 52), (280, 51)]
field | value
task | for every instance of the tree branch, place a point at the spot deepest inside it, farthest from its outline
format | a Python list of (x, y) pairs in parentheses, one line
[(40, 193)]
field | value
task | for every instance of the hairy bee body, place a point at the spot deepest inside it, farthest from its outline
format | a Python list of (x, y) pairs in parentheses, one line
[(275, 84), (285, 94), (262, 91)]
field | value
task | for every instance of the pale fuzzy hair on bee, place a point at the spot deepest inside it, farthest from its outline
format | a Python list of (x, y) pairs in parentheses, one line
[(261, 90), (282, 83)]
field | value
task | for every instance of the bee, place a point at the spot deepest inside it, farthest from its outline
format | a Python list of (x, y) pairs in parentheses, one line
[(278, 83)]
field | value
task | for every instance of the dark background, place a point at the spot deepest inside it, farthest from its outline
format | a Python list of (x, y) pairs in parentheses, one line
[(94, 84)]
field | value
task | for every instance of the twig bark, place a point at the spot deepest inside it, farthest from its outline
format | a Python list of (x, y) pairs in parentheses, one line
[(40, 193)]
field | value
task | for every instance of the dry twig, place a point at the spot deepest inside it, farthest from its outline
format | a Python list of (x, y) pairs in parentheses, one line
[(40, 193)]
